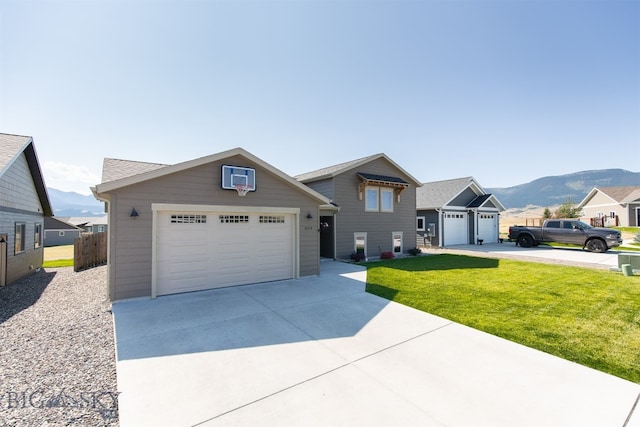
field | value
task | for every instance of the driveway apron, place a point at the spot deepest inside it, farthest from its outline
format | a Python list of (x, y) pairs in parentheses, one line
[(320, 351)]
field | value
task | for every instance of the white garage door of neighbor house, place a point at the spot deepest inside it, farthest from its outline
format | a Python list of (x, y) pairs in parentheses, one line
[(196, 251), (488, 227), (455, 228)]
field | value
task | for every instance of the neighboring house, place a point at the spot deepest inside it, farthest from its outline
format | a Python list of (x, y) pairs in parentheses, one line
[(456, 212), (24, 203), (612, 206), (186, 227), (89, 224), (377, 207), (58, 232)]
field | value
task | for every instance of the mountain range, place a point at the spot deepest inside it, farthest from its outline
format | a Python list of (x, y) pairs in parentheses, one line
[(69, 203), (546, 192), (556, 190)]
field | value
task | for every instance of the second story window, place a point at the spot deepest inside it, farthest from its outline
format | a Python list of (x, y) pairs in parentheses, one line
[(378, 199)]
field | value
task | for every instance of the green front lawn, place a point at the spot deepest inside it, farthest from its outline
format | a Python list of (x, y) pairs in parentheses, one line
[(591, 317), (55, 263)]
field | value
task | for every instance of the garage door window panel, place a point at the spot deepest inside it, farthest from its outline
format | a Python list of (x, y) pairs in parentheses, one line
[(188, 219)]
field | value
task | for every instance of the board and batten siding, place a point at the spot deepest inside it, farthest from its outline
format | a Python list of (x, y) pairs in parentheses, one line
[(130, 244), (19, 203), (379, 226)]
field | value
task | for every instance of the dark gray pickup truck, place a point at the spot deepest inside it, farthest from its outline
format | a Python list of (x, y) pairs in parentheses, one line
[(569, 231)]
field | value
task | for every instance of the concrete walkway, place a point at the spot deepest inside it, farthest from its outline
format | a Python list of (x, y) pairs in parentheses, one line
[(320, 351)]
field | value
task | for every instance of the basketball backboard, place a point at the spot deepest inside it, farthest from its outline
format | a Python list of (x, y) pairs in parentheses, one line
[(232, 176)]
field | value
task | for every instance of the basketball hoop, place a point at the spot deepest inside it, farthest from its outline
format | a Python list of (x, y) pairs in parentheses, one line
[(243, 189)]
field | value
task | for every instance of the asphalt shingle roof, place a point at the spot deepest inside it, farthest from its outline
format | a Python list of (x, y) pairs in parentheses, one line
[(436, 194), (114, 169), (332, 170), (10, 146), (622, 194)]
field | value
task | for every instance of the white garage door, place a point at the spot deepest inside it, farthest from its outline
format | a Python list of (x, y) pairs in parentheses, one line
[(196, 251), (488, 227), (455, 228)]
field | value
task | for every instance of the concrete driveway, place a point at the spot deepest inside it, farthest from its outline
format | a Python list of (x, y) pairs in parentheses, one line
[(320, 351)]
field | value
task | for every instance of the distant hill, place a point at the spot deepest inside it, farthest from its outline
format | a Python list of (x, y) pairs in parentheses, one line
[(545, 192), (555, 190), (69, 203)]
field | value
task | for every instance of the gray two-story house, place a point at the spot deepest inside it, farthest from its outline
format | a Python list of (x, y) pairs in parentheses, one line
[(376, 199)]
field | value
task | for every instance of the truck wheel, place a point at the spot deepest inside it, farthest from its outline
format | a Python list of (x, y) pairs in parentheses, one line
[(525, 241), (596, 245)]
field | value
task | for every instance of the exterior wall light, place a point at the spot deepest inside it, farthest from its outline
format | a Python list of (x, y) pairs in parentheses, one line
[(309, 216), (134, 213)]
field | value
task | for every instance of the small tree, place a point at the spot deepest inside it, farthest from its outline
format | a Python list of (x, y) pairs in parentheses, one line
[(546, 214), (567, 210)]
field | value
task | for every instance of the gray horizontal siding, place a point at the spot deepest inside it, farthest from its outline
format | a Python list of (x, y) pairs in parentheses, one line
[(379, 226), (131, 239)]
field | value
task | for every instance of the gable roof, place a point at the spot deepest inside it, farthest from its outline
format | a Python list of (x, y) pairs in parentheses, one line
[(114, 169), (332, 171), (620, 195), (11, 147), (86, 221), (123, 173), (435, 195), (51, 223)]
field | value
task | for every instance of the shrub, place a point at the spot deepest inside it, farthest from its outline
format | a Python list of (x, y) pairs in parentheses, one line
[(414, 251), (358, 257), (637, 238), (386, 255)]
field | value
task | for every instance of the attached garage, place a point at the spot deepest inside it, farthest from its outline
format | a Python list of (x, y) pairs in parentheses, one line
[(488, 227), (456, 228), (222, 220), (206, 247)]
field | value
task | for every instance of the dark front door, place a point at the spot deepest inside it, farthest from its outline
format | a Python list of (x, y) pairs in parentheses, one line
[(327, 237)]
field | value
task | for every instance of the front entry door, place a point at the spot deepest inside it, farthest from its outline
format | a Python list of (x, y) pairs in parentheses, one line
[(327, 237)]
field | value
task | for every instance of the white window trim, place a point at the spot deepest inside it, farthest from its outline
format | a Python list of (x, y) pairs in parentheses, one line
[(367, 208), (393, 238), (424, 221), (355, 241), (387, 191), (37, 235), (23, 236)]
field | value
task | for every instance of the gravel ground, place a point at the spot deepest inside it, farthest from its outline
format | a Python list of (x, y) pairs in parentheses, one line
[(57, 354)]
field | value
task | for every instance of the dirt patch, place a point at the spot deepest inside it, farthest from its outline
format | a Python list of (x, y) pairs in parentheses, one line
[(58, 252)]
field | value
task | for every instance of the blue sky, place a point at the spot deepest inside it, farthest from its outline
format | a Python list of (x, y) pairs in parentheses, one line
[(505, 91)]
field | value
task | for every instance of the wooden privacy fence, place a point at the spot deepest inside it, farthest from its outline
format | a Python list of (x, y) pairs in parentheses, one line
[(89, 250)]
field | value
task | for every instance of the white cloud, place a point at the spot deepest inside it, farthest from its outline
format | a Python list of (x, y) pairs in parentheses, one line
[(67, 177)]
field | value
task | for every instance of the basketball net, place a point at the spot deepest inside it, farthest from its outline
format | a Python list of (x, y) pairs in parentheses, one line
[(243, 189)]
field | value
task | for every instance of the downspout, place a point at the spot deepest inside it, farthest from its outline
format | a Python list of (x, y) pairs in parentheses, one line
[(474, 212), (106, 199)]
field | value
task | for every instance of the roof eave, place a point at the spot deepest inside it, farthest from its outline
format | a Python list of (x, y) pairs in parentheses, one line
[(38, 180)]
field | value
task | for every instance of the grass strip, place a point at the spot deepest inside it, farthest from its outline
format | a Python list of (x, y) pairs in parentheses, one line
[(591, 317), (55, 263)]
